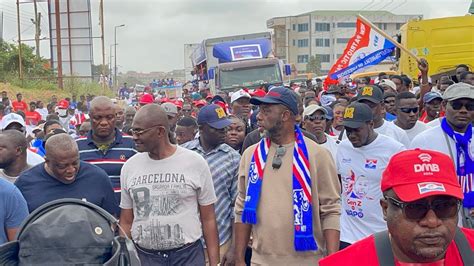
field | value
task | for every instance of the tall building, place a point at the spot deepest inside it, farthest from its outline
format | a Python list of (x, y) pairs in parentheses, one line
[(324, 33)]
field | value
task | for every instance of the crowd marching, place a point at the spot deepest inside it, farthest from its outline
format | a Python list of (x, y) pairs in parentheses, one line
[(278, 175)]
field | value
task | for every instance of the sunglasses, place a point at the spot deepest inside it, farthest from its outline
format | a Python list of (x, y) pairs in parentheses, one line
[(408, 110), (458, 105), (139, 131), (277, 161), (313, 118), (443, 208)]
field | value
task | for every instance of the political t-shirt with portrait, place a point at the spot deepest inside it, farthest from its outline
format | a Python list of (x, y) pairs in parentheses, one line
[(361, 172), (165, 196)]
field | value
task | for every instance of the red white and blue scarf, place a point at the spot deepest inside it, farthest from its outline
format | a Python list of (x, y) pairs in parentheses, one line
[(302, 198)]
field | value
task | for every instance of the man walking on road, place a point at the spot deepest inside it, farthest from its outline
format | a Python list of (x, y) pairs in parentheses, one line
[(407, 110), (167, 197), (223, 162), (288, 191)]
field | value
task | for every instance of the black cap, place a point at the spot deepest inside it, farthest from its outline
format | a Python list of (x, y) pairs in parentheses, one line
[(278, 95), (371, 93), (356, 115)]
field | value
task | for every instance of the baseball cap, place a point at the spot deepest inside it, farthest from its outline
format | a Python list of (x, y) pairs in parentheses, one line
[(356, 115), (200, 103), (278, 95), (416, 174), (458, 91), (330, 113), (311, 109), (63, 104), (388, 83), (10, 119), (258, 93), (170, 108), (239, 94), (333, 89), (146, 99), (429, 96), (214, 116), (371, 93)]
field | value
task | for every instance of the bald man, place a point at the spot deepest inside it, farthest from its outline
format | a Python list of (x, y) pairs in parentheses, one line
[(167, 189), (105, 145), (13, 154), (63, 175)]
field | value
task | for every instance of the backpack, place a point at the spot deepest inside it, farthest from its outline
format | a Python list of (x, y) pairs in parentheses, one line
[(69, 232)]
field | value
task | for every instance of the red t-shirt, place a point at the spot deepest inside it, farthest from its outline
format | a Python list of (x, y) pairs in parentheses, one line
[(32, 118), (19, 106), (364, 253)]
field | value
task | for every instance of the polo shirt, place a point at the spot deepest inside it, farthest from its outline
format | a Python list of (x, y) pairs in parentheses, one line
[(112, 160), (91, 184), (223, 162), (364, 253)]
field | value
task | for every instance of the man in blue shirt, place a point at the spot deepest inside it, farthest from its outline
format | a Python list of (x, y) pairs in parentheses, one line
[(63, 175), (13, 210), (105, 145)]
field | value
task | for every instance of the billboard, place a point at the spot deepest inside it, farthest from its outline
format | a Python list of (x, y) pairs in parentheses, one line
[(75, 37)]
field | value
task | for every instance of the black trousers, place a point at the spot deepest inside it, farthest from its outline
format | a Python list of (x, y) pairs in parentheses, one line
[(192, 254)]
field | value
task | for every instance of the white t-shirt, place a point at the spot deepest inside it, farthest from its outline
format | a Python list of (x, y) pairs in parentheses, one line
[(361, 172), (331, 145), (434, 123), (165, 196), (33, 158), (391, 130), (417, 129), (11, 179)]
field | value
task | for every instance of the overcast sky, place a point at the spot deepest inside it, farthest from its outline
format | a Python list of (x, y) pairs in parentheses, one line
[(156, 30)]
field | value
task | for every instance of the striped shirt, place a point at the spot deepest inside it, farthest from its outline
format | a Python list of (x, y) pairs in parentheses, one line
[(112, 160), (223, 162)]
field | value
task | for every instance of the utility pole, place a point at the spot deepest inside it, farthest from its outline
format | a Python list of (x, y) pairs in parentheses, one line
[(20, 54), (59, 54), (115, 55), (37, 23), (1, 27), (101, 19)]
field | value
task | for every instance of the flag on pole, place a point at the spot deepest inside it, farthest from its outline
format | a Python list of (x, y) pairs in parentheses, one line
[(366, 48)]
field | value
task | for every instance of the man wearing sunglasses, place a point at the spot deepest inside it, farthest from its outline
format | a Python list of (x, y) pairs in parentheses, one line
[(407, 111), (421, 199), (361, 159), (453, 137)]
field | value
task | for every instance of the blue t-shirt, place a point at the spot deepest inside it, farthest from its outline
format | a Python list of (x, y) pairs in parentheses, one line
[(13, 208), (92, 184)]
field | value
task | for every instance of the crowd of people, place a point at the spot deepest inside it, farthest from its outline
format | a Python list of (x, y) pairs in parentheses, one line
[(297, 175)]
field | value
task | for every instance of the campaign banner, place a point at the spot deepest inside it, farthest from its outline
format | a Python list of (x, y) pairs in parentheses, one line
[(366, 48), (244, 52)]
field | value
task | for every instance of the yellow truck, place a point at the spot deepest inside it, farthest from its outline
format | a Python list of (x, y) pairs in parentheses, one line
[(444, 42)]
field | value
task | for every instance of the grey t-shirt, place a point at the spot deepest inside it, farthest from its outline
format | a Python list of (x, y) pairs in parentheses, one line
[(165, 196)]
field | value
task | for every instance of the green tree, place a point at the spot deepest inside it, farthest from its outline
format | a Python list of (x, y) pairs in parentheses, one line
[(314, 65)]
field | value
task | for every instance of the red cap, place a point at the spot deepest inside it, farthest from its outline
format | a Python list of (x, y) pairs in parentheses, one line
[(63, 104), (258, 93), (200, 103), (146, 99), (178, 104), (416, 174)]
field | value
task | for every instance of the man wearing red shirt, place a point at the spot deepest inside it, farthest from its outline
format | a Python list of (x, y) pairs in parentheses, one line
[(421, 203), (32, 117), (19, 105)]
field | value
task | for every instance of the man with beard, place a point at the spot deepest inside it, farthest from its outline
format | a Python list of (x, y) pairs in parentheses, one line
[(167, 189), (288, 193), (407, 110), (223, 162), (13, 146), (105, 145), (453, 137)]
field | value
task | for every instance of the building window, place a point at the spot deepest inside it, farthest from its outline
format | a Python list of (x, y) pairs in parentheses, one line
[(382, 26), (294, 27), (322, 26), (324, 58), (303, 43), (346, 24), (302, 27), (398, 25), (342, 40), (294, 43), (320, 42), (303, 58)]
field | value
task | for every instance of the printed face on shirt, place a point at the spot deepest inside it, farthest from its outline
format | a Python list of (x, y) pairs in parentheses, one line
[(103, 120), (424, 240), (459, 119)]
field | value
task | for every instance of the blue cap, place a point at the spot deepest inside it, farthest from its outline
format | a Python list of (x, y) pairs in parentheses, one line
[(330, 113), (429, 96), (278, 95), (214, 116)]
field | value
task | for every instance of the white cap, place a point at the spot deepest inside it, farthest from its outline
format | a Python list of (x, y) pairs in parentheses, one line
[(170, 109), (12, 118), (311, 109), (239, 94), (388, 83)]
